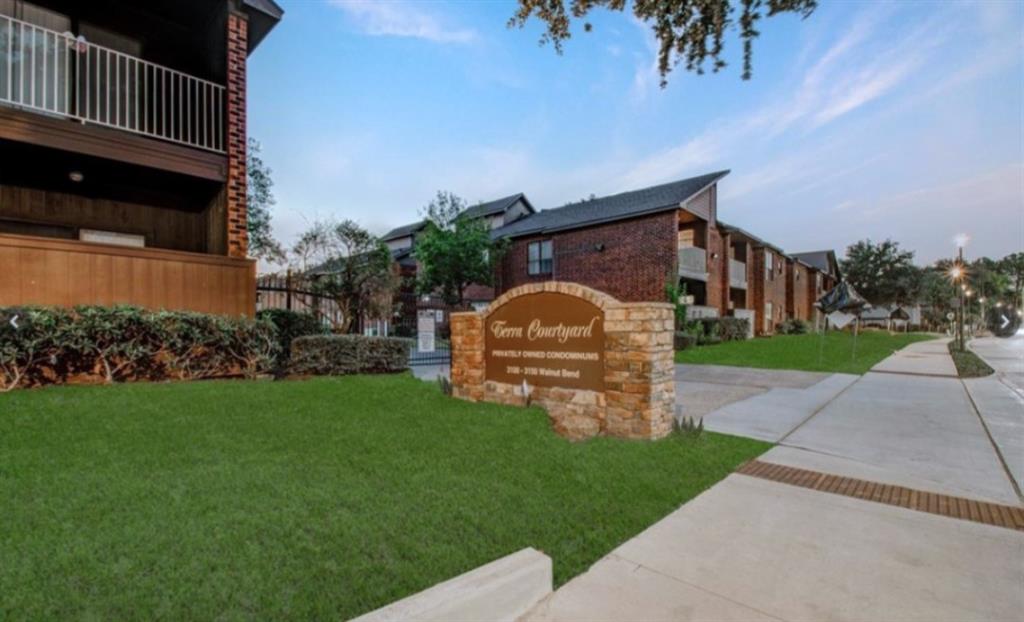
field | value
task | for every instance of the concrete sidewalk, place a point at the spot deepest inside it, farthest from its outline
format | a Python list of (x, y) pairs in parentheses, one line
[(751, 549), (1006, 356), (928, 358)]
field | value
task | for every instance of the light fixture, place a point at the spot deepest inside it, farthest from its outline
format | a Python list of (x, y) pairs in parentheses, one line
[(76, 176), (961, 240)]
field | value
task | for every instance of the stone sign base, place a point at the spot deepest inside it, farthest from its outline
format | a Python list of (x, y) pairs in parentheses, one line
[(638, 399)]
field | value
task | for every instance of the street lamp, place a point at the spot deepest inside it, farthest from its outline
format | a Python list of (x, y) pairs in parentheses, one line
[(958, 272)]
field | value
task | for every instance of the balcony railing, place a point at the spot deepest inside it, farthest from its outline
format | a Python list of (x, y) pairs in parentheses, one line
[(737, 274), (696, 312), (693, 263), (60, 74)]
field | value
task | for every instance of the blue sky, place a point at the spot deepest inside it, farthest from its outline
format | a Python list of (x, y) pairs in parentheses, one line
[(867, 120)]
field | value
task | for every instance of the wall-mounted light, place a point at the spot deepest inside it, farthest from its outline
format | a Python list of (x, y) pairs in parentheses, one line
[(714, 255), (599, 247), (76, 176)]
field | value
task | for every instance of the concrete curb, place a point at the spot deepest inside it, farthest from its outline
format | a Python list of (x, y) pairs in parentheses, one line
[(503, 590)]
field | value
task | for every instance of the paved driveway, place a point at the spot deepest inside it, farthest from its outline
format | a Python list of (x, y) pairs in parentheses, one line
[(754, 549)]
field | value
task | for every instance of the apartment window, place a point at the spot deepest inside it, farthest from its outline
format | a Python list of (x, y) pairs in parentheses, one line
[(769, 265), (540, 257), (767, 317), (817, 281)]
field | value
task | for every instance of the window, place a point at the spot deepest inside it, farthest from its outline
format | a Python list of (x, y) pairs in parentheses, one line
[(539, 256), (767, 317), (769, 265)]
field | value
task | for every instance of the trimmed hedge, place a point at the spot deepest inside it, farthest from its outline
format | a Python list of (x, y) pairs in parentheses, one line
[(733, 328), (684, 340), (339, 355), (793, 326), (290, 324), (52, 345)]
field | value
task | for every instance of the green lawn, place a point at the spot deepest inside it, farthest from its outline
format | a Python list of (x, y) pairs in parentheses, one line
[(802, 351), (317, 499)]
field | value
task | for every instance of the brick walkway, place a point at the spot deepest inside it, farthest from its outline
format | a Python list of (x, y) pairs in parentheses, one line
[(1006, 516)]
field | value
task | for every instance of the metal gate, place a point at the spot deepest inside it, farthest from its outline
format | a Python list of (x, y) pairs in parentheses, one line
[(426, 321)]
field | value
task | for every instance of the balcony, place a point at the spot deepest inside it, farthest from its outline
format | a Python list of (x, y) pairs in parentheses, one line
[(59, 75), (693, 263), (697, 312), (737, 274)]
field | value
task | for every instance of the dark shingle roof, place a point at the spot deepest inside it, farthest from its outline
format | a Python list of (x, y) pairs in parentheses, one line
[(820, 260), (404, 230), (494, 207), (753, 239), (610, 208)]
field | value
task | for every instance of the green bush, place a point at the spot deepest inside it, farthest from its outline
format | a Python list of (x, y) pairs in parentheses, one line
[(339, 355), (684, 340), (793, 326), (733, 328), (290, 324), (705, 339), (50, 345), (713, 330)]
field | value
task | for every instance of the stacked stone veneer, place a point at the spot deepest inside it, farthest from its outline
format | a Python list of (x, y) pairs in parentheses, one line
[(639, 385)]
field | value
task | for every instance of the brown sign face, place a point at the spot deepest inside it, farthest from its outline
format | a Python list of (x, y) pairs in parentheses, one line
[(547, 339)]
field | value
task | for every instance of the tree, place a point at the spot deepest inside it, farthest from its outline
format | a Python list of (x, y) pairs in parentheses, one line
[(1012, 266), (687, 30), (259, 199), (882, 273), (353, 268), (937, 293), (454, 252)]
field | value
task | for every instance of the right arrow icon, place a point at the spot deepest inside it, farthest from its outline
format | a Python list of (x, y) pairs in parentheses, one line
[(1005, 321)]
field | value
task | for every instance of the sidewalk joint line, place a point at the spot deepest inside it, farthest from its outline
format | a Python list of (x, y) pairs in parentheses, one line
[(992, 441), (818, 410)]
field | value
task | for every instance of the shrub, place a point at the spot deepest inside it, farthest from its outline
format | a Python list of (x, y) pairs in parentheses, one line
[(684, 340), (289, 325), (28, 340), (339, 355), (118, 342), (705, 339), (793, 326), (733, 328), (195, 345), (47, 345)]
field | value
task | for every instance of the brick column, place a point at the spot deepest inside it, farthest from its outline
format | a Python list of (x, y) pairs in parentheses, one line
[(467, 351), (640, 390), (237, 50)]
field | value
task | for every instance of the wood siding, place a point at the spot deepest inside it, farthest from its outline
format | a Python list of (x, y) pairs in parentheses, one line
[(163, 228), (41, 271), (112, 144)]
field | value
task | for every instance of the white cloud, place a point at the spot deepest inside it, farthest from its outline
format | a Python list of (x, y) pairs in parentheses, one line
[(402, 19)]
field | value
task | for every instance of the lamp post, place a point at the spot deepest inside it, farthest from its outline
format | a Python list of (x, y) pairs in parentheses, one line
[(958, 273)]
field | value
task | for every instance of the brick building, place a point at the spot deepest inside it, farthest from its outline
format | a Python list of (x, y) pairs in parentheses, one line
[(631, 245)]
